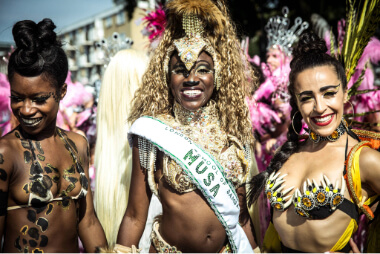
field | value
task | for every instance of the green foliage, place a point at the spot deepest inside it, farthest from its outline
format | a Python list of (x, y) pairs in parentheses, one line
[(361, 23)]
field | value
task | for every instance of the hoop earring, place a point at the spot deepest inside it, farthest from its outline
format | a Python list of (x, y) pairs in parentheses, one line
[(353, 111), (293, 124)]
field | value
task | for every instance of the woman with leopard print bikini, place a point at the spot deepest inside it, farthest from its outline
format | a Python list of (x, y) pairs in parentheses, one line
[(44, 197)]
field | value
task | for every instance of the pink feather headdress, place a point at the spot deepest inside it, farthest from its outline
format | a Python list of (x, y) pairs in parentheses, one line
[(154, 25)]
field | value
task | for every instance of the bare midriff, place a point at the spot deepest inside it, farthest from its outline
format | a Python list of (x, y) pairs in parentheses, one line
[(310, 235), (188, 222), (61, 233)]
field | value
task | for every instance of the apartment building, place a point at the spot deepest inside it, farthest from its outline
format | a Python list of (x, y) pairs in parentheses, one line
[(86, 62)]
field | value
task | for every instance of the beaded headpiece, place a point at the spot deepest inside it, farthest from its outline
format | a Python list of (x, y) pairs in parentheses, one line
[(108, 48), (279, 34), (191, 46)]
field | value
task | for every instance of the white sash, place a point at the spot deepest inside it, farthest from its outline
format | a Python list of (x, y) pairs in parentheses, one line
[(205, 172)]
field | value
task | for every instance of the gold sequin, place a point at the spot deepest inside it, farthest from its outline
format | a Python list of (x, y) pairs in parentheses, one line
[(334, 135), (306, 202), (336, 200), (203, 127), (321, 197)]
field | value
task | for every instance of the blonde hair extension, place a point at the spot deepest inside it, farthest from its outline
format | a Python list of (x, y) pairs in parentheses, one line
[(113, 156)]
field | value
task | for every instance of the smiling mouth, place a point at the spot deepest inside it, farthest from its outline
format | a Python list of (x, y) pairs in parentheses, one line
[(324, 120), (192, 93), (31, 122)]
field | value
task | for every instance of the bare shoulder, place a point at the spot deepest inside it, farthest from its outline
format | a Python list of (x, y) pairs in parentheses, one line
[(369, 170), (10, 142), (369, 158), (77, 140), (9, 145)]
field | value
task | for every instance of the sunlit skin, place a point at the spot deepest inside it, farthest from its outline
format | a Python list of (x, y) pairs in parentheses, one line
[(275, 57), (192, 90), (320, 99)]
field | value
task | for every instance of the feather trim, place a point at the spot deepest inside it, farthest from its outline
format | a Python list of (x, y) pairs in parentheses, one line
[(361, 25)]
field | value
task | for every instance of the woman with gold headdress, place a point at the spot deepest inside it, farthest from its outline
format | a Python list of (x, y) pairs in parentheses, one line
[(191, 137)]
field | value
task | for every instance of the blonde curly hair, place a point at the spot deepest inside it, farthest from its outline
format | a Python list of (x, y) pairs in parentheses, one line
[(154, 96)]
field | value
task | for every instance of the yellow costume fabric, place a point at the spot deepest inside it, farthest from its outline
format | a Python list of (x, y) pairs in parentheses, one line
[(372, 140)]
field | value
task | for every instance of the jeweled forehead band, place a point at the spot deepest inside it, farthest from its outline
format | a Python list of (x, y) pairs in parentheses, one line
[(191, 46)]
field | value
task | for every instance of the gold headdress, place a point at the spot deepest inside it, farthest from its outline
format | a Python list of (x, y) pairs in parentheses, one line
[(198, 22), (191, 45)]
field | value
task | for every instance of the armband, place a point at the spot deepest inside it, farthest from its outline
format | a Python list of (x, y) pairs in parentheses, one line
[(124, 249), (121, 249)]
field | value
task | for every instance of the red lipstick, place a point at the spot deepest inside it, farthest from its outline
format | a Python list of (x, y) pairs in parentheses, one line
[(322, 123)]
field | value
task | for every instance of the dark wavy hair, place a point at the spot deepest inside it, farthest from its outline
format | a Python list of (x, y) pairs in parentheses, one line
[(38, 51), (310, 52)]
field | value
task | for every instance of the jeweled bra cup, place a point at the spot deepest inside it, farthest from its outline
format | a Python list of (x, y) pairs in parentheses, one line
[(313, 197)]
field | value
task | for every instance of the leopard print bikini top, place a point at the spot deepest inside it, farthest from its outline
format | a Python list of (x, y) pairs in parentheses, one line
[(39, 189)]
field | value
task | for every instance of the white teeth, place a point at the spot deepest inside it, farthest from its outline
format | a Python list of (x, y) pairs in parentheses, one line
[(192, 92), (31, 121), (323, 119)]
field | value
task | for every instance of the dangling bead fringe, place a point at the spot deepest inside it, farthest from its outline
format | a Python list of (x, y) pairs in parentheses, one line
[(145, 149)]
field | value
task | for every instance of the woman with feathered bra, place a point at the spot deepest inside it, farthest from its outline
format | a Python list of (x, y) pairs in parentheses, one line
[(318, 183), (191, 137)]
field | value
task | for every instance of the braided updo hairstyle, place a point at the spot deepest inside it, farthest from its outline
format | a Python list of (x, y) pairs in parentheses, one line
[(310, 52), (38, 52)]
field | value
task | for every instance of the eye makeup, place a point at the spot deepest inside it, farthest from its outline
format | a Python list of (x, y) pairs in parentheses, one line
[(40, 99), (326, 91)]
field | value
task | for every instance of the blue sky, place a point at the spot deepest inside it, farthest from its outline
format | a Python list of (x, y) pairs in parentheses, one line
[(62, 12)]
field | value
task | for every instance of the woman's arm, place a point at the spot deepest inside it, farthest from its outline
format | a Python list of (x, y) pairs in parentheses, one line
[(6, 167), (90, 230), (244, 218), (133, 223), (369, 170)]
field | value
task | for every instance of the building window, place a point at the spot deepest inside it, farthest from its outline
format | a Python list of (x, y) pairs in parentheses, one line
[(108, 22), (120, 18), (73, 38), (144, 4)]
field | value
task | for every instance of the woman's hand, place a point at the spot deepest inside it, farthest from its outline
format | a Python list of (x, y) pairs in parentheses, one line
[(354, 247)]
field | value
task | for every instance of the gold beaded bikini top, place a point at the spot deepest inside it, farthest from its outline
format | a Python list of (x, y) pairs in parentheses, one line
[(203, 128), (316, 201)]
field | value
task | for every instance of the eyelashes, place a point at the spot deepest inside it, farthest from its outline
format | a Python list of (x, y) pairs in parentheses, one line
[(38, 100), (303, 99), (15, 98), (326, 94), (330, 93), (41, 99)]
